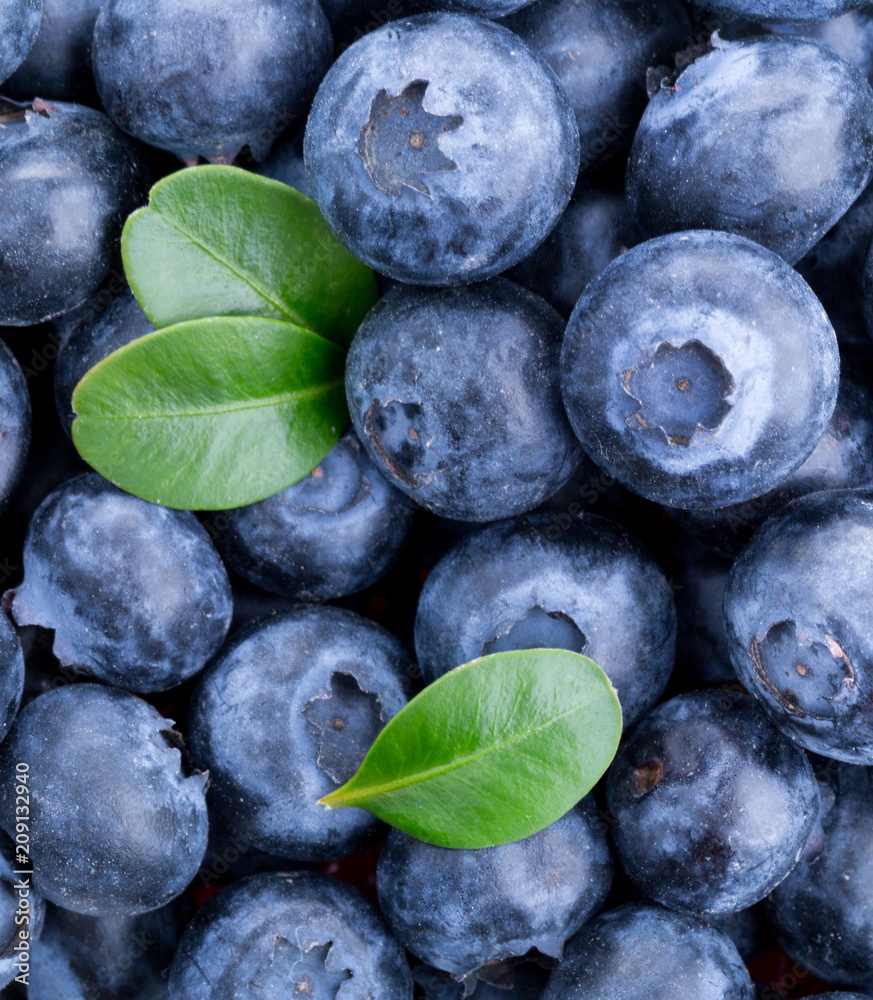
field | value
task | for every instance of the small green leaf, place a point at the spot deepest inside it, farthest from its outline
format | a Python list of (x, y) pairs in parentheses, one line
[(219, 241), (491, 752), (212, 414)]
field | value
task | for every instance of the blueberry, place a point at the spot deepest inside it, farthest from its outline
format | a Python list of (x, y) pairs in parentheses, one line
[(821, 913), (207, 77), (86, 341), (15, 424), (111, 958), (19, 26), (116, 825), (674, 370), (770, 138), (12, 877), (68, 180), (600, 50), (528, 583), (595, 229), (333, 533), (58, 66), (136, 593), (800, 627), (787, 11), (284, 163), (843, 459), (472, 912), (702, 654), (646, 953), (294, 935), (441, 149), (712, 806), (455, 395), (285, 715)]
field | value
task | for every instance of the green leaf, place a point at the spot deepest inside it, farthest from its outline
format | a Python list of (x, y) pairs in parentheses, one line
[(219, 241), (493, 751), (212, 414)]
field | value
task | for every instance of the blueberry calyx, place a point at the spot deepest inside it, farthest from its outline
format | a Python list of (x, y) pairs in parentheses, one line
[(647, 775), (398, 434), (346, 720), (681, 390), (815, 663), (300, 970), (539, 628), (400, 141)]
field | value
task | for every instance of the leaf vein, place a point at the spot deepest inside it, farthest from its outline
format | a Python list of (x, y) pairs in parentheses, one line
[(441, 769), (275, 400), (254, 285)]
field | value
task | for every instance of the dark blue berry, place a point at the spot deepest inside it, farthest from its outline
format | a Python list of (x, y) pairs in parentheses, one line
[(699, 370), (441, 149)]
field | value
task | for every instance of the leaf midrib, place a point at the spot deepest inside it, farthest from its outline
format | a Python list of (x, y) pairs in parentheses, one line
[(276, 400), (255, 287), (438, 771)]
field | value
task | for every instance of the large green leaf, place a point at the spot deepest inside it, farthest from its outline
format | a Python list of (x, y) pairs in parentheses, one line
[(219, 241), (212, 414), (493, 751)]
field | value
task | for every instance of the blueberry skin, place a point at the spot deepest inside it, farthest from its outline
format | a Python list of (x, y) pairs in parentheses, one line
[(843, 459), (455, 395), (84, 344), (207, 77), (460, 910), (600, 51), (135, 592), (526, 583), (332, 534), (786, 11), (284, 163), (58, 66), (256, 936), (9, 906), (821, 913), (744, 143), (114, 958), (712, 806), (595, 229), (68, 181), (800, 630), (263, 723), (674, 363), (19, 26), (16, 423), (116, 826), (640, 952), (466, 183)]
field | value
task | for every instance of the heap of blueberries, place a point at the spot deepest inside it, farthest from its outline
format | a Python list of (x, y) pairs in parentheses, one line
[(615, 398)]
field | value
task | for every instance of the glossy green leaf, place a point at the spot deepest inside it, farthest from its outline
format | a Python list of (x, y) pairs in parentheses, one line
[(491, 752), (219, 241), (212, 414)]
